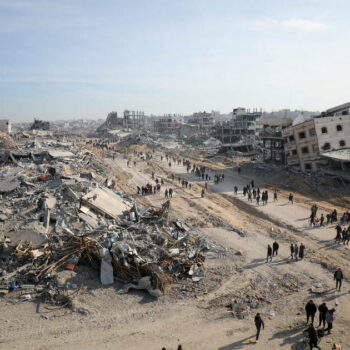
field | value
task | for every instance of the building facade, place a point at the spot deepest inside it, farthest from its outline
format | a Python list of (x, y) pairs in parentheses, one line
[(5, 126), (305, 142)]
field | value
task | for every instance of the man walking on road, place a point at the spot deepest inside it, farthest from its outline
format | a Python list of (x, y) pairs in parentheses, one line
[(310, 309), (338, 277), (290, 198), (275, 247), (322, 309), (269, 253), (296, 251), (313, 338), (258, 324), (292, 250)]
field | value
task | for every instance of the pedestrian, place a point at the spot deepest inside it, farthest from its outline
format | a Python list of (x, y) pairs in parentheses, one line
[(338, 277), (275, 196), (322, 220), (296, 251), (170, 192), (329, 320), (235, 189), (166, 193), (313, 338), (322, 309), (290, 198), (203, 192), (258, 200), (269, 253), (258, 324), (310, 309), (252, 183), (180, 347), (292, 250), (301, 251), (275, 247)]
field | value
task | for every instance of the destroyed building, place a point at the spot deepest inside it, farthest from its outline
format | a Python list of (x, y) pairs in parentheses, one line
[(40, 125), (112, 122), (203, 120), (308, 140), (272, 139), (168, 124), (5, 126), (134, 120), (241, 128)]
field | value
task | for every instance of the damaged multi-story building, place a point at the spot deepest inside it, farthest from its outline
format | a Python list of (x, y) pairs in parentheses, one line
[(169, 124), (309, 143), (242, 128), (272, 139), (203, 120), (134, 120)]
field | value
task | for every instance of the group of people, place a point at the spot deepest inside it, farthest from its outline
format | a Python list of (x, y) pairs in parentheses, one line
[(219, 178), (343, 235), (295, 251)]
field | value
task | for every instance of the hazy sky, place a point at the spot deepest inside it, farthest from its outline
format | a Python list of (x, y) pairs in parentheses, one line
[(83, 58)]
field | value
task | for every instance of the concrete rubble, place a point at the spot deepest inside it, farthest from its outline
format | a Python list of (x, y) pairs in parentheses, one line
[(54, 217)]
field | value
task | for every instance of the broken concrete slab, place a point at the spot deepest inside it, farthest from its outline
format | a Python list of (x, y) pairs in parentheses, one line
[(55, 153), (106, 202), (9, 185)]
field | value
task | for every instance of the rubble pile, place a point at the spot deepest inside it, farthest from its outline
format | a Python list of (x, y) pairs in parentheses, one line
[(59, 210)]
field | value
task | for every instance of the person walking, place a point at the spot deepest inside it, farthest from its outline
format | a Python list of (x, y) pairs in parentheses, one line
[(313, 338), (275, 196), (166, 193), (338, 277), (329, 320), (269, 253), (322, 310), (170, 193), (292, 250), (301, 251), (322, 220), (290, 198), (310, 309), (258, 324), (275, 247), (296, 251)]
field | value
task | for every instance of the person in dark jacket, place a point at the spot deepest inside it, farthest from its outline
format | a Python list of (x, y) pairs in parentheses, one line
[(275, 247), (322, 309), (258, 324), (329, 320), (269, 253), (301, 251), (310, 309), (292, 250), (338, 277), (313, 338)]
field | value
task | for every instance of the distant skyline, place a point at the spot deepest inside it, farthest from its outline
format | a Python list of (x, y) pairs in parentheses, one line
[(64, 59)]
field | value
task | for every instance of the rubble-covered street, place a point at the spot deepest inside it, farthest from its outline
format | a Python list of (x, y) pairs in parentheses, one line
[(116, 245)]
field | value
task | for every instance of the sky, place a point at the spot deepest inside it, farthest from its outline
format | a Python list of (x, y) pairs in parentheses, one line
[(66, 59)]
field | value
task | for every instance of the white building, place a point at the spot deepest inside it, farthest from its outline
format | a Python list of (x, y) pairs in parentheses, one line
[(5, 125)]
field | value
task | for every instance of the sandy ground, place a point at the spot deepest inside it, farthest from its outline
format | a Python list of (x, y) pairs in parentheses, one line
[(198, 318)]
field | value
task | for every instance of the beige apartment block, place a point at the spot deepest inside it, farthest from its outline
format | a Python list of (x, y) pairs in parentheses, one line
[(307, 140)]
